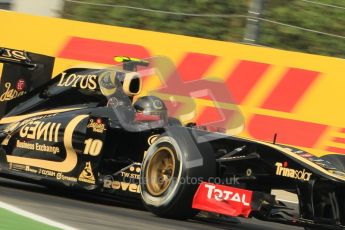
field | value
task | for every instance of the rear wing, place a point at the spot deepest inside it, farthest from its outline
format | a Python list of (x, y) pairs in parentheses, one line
[(21, 72), (17, 57)]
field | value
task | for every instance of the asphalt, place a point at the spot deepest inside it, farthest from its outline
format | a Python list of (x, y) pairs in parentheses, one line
[(89, 212)]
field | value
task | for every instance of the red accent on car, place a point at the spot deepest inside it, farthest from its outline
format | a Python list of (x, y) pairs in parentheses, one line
[(222, 199), (143, 117), (20, 86)]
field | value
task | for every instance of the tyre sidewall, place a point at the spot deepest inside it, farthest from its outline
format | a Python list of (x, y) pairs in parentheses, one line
[(191, 159)]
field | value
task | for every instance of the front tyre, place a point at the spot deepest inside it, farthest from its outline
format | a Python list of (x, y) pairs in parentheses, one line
[(169, 180)]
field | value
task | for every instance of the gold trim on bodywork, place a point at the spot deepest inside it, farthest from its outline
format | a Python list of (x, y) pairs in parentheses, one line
[(71, 156), (1, 68), (7, 120), (296, 156)]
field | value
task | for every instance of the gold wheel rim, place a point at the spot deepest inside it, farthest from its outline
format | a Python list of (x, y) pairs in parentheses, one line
[(160, 171)]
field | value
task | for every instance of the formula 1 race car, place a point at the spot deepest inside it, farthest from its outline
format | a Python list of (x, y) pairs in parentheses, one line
[(88, 129)]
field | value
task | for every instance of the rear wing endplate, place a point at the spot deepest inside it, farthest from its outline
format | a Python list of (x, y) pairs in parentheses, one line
[(21, 72), (18, 57)]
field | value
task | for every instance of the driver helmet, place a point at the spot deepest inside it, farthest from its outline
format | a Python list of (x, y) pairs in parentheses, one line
[(151, 108)]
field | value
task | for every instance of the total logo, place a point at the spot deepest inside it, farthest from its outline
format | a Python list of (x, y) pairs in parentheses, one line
[(283, 170), (224, 195), (223, 199)]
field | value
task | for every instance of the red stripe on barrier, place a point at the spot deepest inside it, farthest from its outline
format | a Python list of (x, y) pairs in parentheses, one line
[(194, 65), (209, 115), (335, 150), (99, 51), (290, 89), (339, 140), (244, 77), (291, 132)]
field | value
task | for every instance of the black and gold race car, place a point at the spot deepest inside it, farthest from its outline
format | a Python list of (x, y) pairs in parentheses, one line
[(83, 129)]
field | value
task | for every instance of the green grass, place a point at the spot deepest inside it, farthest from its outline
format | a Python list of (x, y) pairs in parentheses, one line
[(12, 221)]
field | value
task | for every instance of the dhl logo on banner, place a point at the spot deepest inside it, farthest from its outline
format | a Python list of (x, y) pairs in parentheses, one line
[(298, 96)]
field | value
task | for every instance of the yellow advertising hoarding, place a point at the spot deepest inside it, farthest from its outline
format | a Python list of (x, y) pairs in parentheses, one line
[(294, 95)]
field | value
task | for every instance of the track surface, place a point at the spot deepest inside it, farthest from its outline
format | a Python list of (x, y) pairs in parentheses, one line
[(87, 212)]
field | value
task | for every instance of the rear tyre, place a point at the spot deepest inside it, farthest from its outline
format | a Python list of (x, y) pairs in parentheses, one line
[(169, 180)]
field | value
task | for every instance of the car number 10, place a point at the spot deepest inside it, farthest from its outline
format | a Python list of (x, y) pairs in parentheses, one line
[(93, 147)]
